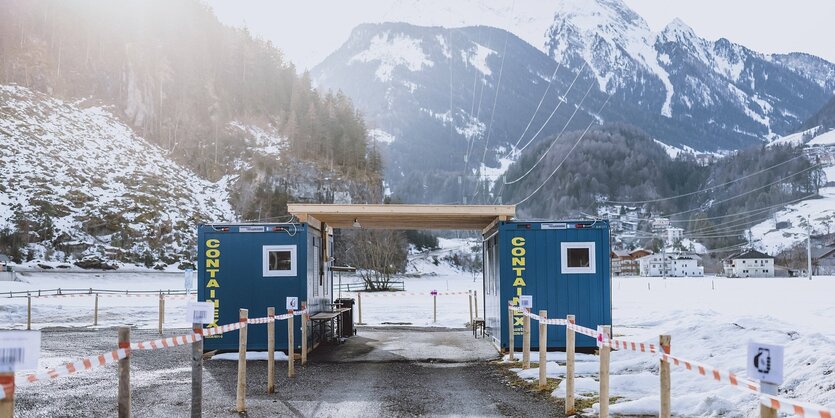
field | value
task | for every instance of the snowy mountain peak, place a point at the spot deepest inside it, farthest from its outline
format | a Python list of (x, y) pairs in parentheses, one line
[(612, 40), (599, 14), (678, 30)]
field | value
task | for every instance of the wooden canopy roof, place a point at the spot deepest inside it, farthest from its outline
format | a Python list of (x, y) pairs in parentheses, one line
[(460, 217)]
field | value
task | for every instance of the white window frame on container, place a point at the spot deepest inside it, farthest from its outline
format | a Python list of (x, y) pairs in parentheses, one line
[(267, 249), (565, 269)]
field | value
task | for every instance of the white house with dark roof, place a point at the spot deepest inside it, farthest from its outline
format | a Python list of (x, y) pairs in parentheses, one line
[(749, 263), (672, 265)]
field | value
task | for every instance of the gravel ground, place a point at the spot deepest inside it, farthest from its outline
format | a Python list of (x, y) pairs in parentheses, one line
[(161, 385)]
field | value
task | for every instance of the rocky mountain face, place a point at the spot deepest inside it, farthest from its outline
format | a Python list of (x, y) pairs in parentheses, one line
[(462, 102), (77, 184), (212, 102)]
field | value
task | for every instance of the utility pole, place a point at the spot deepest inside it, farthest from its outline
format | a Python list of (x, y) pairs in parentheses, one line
[(809, 253), (663, 256), (809, 247)]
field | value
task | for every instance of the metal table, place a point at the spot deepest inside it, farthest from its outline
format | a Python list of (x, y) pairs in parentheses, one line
[(323, 324)]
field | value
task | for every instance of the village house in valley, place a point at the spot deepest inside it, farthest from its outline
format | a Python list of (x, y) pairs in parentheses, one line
[(625, 262), (749, 263)]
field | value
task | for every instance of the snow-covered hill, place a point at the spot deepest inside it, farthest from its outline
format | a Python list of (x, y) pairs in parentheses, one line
[(813, 215), (76, 182)]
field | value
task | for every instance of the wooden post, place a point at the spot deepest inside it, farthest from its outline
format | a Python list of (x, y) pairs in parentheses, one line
[(569, 367), (240, 397), (7, 403), (543, 348), (359, 308), (304, 333), (29, 312), (604, 373), (96, 311), (470, 296), (526, 342), (291, 348), (511, 340), (434, 308), (161, 311), (271, 351), (124, 374), (664, 371), (767, 411), (197, 374), (475, 302)]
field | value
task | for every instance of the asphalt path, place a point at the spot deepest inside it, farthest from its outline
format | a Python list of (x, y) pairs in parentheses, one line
[(375, 374)]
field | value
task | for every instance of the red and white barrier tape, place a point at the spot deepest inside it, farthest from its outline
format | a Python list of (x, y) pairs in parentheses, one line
[(117, 295), (220, 329), (785, 405), (633, 346), (712, 372), (583, 330), (167, 342), (6, 390), (798, 408), (85, 363)]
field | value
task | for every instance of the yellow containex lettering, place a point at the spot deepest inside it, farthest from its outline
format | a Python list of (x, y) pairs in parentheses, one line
[(212, 243), (517, 241)]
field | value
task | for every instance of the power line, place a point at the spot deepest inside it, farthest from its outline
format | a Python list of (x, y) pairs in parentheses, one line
[(562, 99), (542, 157), (637, 202), (536, 111), (495, 101), (566, 155), (742, 213), (745, 193)]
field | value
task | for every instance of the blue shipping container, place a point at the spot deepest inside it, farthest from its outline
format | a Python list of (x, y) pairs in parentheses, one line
[(255, 266), (564, 265)]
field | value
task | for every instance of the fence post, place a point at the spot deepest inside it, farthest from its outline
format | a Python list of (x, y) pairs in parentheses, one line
[(359, 308), (291, 347), (161, 311), (470, 298), (271, 350), (604, 372), (240, 397), (475, 301), (570, 345), (511, 341), (124, 374), (197, 373), (304, 333), (543, 348), (7, 403), (29, 312), (435, 307), (664, 371), (96, 311), (526, 341), (767, 411)]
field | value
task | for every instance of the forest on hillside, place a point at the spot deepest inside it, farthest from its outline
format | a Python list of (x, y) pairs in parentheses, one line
[(180, 77)]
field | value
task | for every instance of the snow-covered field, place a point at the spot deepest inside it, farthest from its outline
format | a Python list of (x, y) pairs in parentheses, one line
[(710, 321)]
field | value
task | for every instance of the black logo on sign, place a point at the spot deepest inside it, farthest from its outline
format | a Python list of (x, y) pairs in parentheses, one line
[(762, 360)]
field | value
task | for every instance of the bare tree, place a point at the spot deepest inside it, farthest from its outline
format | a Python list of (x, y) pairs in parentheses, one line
[(378, 255)]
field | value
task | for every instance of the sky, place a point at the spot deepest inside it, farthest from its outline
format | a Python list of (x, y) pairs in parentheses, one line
[(308, 31)]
